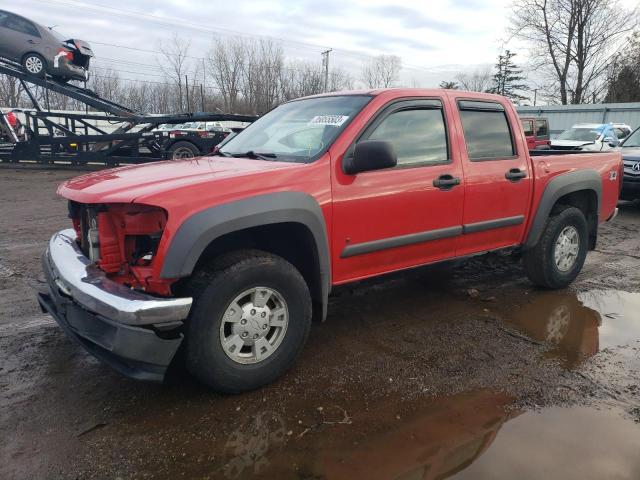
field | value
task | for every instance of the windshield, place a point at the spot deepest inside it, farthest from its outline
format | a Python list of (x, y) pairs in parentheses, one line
[(581, 134), (297, 131), (633, 140)]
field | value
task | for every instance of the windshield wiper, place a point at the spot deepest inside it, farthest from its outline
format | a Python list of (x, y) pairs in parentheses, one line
[(255, 155)]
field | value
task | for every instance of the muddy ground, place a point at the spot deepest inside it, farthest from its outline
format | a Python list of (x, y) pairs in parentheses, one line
[(470, 373)]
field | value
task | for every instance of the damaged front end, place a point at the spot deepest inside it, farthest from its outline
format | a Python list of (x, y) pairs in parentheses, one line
[(122, 240), (100, 289)]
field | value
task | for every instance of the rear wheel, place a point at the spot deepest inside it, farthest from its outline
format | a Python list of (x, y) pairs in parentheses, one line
[(250, 319), (559, 255), (180, 150), (34, 64)]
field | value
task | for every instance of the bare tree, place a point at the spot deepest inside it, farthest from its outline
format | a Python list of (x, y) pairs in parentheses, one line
[(10, 91), (381, 71), (226, 60), (174, 63), (572, 41), (480, 80)]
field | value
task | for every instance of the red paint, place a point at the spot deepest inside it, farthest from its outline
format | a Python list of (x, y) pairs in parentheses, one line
[(357, 208)]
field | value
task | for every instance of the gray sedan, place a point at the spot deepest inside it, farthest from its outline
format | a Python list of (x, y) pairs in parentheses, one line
[(42, 51)]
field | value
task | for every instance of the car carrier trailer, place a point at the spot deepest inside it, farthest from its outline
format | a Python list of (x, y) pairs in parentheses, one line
[(51, 137)]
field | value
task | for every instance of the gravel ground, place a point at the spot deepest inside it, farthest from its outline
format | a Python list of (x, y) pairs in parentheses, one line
[(433, 373)]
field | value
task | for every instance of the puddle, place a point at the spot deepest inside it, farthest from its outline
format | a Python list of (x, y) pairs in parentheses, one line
[(581, 325), (468, 436)]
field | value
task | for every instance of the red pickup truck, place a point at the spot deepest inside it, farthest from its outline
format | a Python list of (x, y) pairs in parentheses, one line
[(229, 257)]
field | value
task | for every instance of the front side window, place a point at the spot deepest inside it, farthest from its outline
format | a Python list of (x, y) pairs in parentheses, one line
[(3, 18), (417, 135), (486, 130), (297, 131)]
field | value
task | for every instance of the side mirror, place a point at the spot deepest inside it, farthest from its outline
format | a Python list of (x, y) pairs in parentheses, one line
[(611, 142), (370, 155)]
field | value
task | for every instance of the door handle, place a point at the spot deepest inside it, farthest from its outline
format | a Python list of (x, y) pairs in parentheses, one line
[(31, 42), (446, 182), (515, 175)]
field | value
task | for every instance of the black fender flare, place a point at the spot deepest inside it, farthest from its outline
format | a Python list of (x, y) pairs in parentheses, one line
[(559, 187), (198, 231)]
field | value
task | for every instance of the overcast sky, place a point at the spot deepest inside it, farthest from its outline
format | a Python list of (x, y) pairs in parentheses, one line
[(434, 38)]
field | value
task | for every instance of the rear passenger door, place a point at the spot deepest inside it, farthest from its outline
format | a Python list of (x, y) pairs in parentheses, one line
[(19, 36), (497, 177)]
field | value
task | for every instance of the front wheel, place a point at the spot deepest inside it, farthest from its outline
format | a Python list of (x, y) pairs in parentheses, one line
[(558, 257), (34, 64), (250, 319)]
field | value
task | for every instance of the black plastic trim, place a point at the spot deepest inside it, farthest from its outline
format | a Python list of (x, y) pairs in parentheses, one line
[(199, 230), (558, 187), (400, 241), (491, 224), (428, 236)]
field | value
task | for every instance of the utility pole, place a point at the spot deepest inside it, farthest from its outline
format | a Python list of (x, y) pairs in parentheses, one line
[(535, 96), (186, 84), (325, 64), (202, 96)]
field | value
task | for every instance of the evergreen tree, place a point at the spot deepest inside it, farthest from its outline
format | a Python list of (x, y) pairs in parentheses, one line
[(508, 78), (449, 85)]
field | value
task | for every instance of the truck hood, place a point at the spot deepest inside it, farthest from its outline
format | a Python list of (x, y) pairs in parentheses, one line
[(631, 153), (570, 143), (126, 184)]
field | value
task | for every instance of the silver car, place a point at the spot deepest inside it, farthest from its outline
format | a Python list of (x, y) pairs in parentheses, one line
[(42, 51)]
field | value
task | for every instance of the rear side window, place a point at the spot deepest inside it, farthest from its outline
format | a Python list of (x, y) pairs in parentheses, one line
[(486, 130), (621, 133), (418, 135), (3, 18), (21, 25), (541, 128)]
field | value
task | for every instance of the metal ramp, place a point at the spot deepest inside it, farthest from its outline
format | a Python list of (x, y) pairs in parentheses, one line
[(83, 95)]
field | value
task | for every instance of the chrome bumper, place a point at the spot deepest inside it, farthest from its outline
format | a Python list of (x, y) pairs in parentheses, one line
[(75, 276)]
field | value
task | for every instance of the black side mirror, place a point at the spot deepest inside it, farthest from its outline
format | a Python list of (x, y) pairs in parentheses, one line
[(370, 155), (611, 142)]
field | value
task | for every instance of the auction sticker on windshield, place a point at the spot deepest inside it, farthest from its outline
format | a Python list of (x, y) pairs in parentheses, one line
[(334, 120)]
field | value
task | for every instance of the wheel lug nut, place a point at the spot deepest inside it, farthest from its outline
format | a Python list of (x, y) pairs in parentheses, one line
[(253, 311), (255, 336), (243, 322), (264, 314), (264, 327), (244, 334)]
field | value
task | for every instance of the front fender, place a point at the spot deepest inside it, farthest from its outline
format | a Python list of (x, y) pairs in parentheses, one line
[(198, 231)]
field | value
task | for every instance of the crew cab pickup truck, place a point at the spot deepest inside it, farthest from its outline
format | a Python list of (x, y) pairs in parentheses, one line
[(229, 257)]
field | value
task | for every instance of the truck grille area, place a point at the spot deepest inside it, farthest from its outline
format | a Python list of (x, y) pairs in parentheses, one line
[(118, 237)]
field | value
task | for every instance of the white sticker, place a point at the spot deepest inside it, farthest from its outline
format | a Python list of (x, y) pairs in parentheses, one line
[(333, 120)]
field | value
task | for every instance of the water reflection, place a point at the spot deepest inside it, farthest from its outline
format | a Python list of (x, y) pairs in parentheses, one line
[(562, 320), (579, 325), (429, 440), (248, 445)]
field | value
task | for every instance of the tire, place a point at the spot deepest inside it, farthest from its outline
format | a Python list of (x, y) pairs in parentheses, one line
[(182, 150), (540, 263), (214, 290), (34, 65)]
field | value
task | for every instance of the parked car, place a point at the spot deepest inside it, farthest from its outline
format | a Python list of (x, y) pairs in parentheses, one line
[(231, 256), (41, 51), (536, 131), (591, 137), (631, 158)]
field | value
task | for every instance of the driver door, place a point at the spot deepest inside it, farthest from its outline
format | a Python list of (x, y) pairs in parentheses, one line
[(398, 217)]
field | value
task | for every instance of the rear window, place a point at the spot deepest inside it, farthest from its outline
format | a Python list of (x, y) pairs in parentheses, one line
[(527, 126), (486, 130), (21, 25), (542, 130)]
